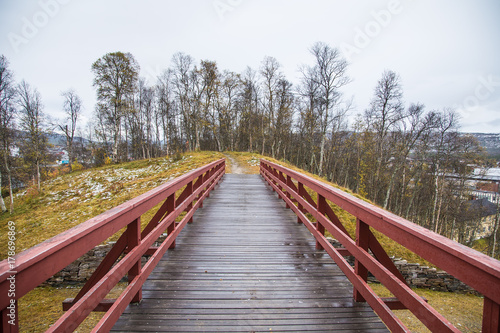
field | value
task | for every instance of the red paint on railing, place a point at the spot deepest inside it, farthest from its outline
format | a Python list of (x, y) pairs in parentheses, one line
[(473, 268), (39, 263)]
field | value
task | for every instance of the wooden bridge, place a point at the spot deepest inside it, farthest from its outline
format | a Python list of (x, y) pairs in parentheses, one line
[(247, 262)]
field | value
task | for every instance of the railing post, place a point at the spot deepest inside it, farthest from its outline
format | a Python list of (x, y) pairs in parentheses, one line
[(197, 184), (301, 191), (321, 206), (208, 174), (362, 241), (288, 183), (189, 189), (491, 316), (10, 318), (170, 208), (133, 240)]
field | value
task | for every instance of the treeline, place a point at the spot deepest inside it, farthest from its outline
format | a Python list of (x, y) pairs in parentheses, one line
[(399, 155)]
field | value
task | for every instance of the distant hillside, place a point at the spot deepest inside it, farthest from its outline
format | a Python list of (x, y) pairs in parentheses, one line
[(490, 141)]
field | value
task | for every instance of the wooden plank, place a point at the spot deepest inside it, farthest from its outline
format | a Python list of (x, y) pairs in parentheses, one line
[(246, 265)]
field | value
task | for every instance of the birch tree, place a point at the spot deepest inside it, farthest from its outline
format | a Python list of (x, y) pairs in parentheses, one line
[(115, 78), (329, 72), (72, 108), (7, 114), (32, 122)]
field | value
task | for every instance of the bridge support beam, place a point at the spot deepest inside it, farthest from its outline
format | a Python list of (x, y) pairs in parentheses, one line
[(133, 240), (491, 316), (10, 319), (170, 208), (362, 241), (321, 228)]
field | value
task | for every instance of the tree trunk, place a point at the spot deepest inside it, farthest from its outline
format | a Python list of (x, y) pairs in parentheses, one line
[(495, 229), (115, 145), (9, 177), (438, 215), (321, 155), (2, 203), (436, 195), (389, 188), (38, 174)]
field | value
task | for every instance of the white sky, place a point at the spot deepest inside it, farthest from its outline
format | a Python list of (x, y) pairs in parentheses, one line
[(447, 52)]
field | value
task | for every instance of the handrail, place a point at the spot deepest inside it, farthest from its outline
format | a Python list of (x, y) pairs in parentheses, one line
[(37, 264), (471, 267)]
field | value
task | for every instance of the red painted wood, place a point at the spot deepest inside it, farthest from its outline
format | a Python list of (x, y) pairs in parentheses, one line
[(37, 264), (108, 262), (170, 208), (189, 187), (107, 322), (300, 191), (103, 305), (473, 268), (429, 316), (382, 257), (394, 304), (320, 227), (81, 309), (10, 318), (377, 304), (133, 240), (491, 316), (362, 241)]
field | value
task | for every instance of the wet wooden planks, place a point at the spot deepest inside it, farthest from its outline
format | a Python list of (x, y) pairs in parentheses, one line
[(246, 265)]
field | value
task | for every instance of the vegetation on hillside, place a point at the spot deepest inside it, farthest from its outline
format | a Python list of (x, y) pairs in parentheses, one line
[(68, 200)]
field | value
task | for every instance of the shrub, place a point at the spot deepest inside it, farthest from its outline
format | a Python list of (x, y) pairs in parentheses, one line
[(76, 166)]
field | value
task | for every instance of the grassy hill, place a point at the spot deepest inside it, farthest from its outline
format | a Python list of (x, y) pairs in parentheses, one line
[(71, 199)]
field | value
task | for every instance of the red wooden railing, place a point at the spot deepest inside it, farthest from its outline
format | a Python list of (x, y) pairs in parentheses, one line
[(471, 267), (35, 265)]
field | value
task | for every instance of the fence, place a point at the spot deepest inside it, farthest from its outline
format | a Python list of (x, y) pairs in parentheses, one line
[(37, 264), (479, 271)]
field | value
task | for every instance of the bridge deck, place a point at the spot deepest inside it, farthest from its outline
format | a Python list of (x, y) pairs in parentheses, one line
[(245, 264)]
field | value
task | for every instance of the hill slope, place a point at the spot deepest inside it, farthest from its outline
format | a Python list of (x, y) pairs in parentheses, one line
[(71, 199)]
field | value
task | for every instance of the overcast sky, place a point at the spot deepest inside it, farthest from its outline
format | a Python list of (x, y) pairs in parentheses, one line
[(447, 52)]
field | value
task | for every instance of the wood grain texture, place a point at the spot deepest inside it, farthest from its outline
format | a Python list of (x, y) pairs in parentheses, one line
[(246, 265)]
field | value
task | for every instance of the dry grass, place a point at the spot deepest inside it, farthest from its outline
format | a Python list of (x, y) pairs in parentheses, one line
[(41, 307), (71, 199), (463, 311)]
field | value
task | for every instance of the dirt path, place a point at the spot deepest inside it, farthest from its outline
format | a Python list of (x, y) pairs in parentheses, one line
[(235, 166)]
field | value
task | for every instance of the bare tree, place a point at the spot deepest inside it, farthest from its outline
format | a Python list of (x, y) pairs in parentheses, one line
[(228, 114), (32, 122), (329, 74), (386, 111), (167, 109), (72, 108), (270, 72), (182, 80), (7, 114)]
